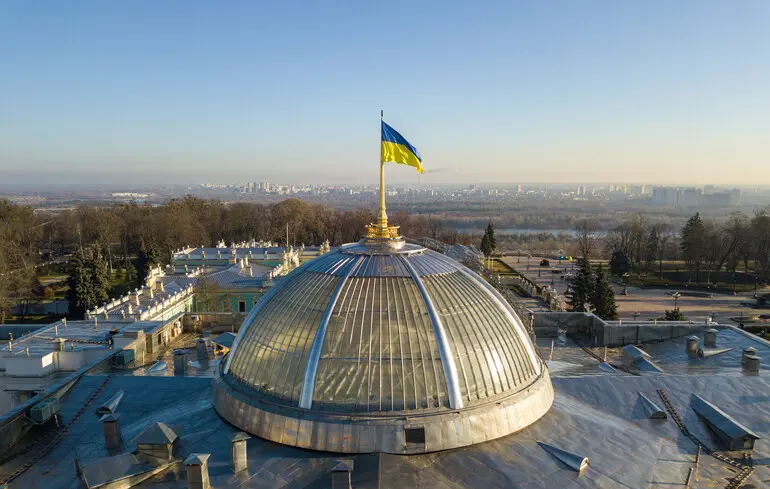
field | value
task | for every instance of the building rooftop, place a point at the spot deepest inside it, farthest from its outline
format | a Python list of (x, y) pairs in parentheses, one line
[(597, 416)]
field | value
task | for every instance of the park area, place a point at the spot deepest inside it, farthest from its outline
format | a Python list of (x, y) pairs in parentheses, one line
[(645, 301)]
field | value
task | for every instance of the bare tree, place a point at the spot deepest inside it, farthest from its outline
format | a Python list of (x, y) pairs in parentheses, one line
[(587, 235)]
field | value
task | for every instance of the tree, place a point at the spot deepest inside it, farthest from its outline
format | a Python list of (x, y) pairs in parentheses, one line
[(603, 297), (581, 288), (651, 248), (619, 263), (587, 234), (81, 291), (485, 247), (206, 293), (100, 276), (694, 243), (149, 256), (760, 237), (638, 234), (491, 237), (663, 233), (674, 315)]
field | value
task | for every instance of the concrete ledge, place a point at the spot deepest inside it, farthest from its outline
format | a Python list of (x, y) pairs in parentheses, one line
[(383, 432)]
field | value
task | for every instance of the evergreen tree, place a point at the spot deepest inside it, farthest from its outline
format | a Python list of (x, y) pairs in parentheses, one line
[(491, 237), (81, 291), (603, 297), (130, 272), (100, 276), (694, 243), (149, 256), (486, 248), (674, 315), (619, 263), (581, 288)]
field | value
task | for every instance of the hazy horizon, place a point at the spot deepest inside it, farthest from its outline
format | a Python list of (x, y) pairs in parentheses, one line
[(510, 92)]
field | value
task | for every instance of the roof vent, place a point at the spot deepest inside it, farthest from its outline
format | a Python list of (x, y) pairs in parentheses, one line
[(651, 409), (240, 460), (748, 351), (180, 362), (692, 345), (111, 428), (710, 352), (731, 434), (198, 471), (636, 358), (710, 338), (111, 405), (341, 475), (202, 349), (158, 441), (751, 363), (571, 460)]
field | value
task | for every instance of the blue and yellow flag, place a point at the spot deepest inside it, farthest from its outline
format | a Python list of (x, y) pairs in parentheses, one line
[(396, 149)]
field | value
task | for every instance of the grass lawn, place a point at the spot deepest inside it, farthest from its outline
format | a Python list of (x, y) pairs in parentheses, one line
[(497, 266), (36, 319)]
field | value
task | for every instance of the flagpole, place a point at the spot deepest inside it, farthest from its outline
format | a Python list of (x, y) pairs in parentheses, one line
[(382, 218)]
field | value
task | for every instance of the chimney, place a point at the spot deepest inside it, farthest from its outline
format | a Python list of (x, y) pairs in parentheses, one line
[(180, 363), (710, 338), (152, 296), (341, 475), (111, 428), (161, 287), (748, 351), (751, 363), (136, 297), (692, 345), (202, 349), (198, 471), (240, 461)]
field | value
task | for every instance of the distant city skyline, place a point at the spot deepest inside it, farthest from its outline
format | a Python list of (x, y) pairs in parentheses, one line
[(504, 92)]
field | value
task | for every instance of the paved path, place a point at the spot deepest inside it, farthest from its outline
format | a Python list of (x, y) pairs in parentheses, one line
[(649, 303)]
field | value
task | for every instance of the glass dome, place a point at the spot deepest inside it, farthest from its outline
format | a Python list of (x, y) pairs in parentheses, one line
[(378, 328)]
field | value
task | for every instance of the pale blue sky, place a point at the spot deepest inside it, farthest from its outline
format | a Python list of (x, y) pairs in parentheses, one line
[(509, 91)]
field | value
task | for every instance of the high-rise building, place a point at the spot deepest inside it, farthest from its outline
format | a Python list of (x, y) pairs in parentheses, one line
[(664, 195)]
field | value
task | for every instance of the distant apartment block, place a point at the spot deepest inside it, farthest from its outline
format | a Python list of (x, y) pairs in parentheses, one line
[(691, 196)]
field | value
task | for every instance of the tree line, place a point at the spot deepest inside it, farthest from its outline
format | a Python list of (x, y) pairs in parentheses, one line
[(705, 245), (123, 240)]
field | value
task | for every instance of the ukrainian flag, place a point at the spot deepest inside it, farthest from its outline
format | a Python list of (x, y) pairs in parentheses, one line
[(396, 149)]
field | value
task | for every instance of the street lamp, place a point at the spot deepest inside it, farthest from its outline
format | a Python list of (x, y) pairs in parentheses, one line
[(676, 296), (625, 283), (756, 283)]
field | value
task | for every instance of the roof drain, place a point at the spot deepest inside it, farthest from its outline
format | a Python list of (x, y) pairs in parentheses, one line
[(308, 384), (572, 460), (651, 409)]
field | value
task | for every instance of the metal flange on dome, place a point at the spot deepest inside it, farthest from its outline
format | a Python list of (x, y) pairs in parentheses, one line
[(382, 346)]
